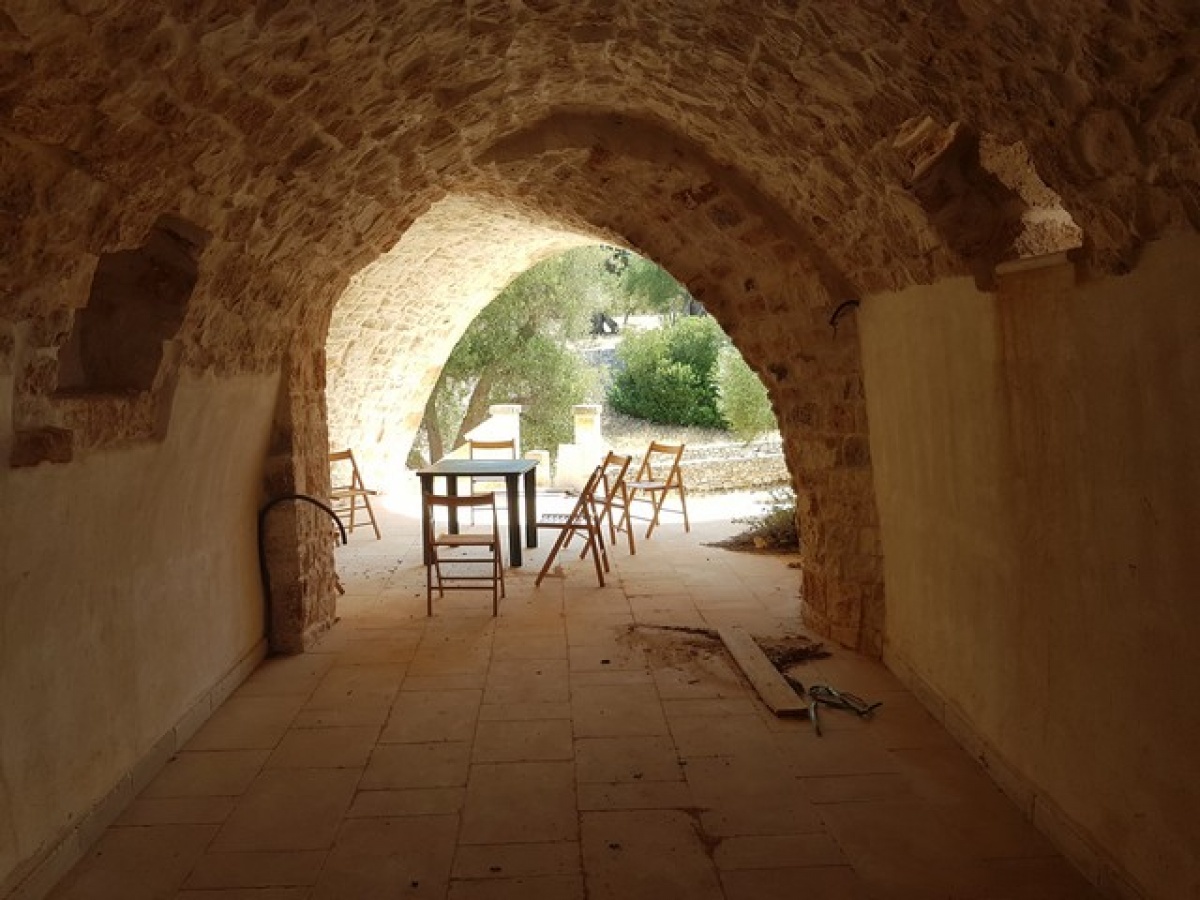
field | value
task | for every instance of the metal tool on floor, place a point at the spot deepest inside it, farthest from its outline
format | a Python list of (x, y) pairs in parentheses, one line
[(831, 696)]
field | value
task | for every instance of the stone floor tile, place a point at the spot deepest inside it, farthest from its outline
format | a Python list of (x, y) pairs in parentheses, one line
[(745, 795), (388, 858), (903, 850), (590, 626), (520, 802), (324, 748), (143, 863), (534, 887), (421, 717), (775, 851), (256, 870), (529, 646), (288, 893), (368, 684), (215, 773), (449, 661), (248, 723), (646, 855), (903, 723), (606, 657), (1045, 878), (701, 736), (378, 651), (962, 796), (670, 617), (349, 715), (636, 795), (287, 675), (399, 766), (524, 712), (814, 883), (612, 710), (177, 811), (850, 672), (703, 677), (844, 788), (478, 861), (626, 759), (711, 707), (607, 676), (289, 809), (833, 753), (523, 741), (411, 802), (527, 681), (455, 682)]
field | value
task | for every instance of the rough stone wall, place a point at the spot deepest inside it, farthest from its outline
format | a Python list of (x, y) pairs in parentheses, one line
[(842, 148), (779, 160)]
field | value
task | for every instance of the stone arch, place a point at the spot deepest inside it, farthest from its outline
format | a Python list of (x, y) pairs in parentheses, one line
[(638, 183)]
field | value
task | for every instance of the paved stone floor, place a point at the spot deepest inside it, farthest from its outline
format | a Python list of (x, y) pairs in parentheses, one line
[(556, 752)]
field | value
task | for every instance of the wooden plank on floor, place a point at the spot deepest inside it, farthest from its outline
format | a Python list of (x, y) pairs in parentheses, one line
[(767, 680)]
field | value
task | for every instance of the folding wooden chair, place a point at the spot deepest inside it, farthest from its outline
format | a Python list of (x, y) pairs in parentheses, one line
[(348, 494), (657, 477), (444, 552), (581, 520), (612, 495), (504, 449)]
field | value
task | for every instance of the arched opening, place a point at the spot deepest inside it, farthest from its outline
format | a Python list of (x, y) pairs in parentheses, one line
[(1031, 421)]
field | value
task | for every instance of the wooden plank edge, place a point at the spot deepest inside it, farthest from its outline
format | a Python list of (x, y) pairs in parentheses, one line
[(772, 687)]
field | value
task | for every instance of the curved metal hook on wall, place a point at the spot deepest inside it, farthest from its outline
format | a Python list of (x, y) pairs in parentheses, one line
[(837, 313), (262, 550)]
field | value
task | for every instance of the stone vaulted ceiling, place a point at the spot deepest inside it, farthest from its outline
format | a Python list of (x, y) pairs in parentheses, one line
[(300, 140)]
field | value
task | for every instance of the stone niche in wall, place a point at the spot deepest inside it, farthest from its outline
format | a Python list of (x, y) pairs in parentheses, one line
[(118, 365), (136, 305)]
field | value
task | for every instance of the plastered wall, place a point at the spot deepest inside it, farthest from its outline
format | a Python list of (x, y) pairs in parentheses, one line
[(1037, 462), (130, 590)]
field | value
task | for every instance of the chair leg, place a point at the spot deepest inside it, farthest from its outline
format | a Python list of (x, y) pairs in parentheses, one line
[(683, 503), (371, 516), (558, 543), (591, 539), (659, 497)]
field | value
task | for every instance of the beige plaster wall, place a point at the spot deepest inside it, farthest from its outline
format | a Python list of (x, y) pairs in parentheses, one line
[(1037, 460), (130, 588)]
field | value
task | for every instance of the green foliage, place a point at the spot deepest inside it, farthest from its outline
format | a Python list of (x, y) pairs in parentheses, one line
[(646, 287), (774, 528), (668, 375), (742, 398), (516, 351)]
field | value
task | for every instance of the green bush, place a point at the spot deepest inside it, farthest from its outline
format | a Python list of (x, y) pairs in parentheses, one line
[(669, 375), (742, 398)]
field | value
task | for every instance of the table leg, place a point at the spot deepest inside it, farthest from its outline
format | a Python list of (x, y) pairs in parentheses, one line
[(531, 531), (452, 512), (426, 488), (514, 522)]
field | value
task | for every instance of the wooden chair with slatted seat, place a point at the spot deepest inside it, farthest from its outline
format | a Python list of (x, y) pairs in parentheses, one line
[(612, 497), (348, 495), (658, 476), (579, 522), (452, 559)]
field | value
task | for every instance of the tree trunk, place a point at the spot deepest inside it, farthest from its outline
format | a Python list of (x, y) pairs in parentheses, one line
[(477, 407), (433, 428)]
